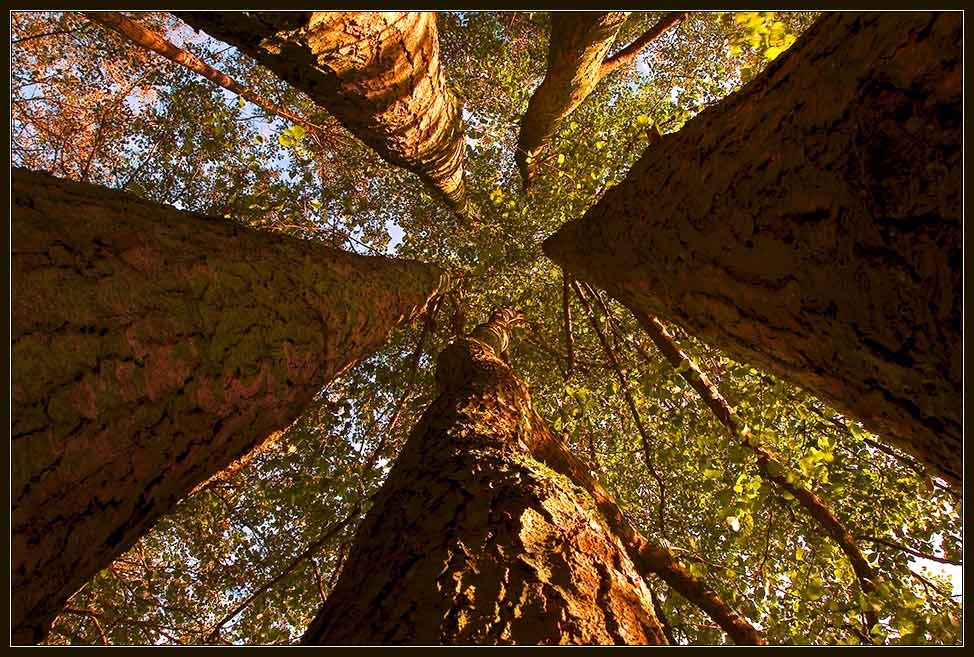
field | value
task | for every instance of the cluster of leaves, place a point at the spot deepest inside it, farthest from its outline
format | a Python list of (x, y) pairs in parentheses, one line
[(271, 535)]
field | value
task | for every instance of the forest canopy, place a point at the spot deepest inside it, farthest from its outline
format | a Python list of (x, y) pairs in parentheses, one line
[(793, 513)]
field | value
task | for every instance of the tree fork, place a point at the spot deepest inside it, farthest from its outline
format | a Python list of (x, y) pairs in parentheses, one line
[(817, 239), (150, 349), (481, 401)]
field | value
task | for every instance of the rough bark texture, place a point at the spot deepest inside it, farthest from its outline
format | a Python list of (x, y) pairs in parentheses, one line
[(811, 224), (378, 73), (473, 541), (577, 48), (649, 556), (151, 348)]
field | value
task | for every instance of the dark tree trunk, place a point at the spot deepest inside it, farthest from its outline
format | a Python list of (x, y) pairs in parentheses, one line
[(810, 224), (151, 348), (473, 541), (378, 73)]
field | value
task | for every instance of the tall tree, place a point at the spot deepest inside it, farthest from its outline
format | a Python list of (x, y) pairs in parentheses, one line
[(471, 540), (251, 556), (811, 224), (525, 546), (578, 58), (151, 348), (378, 73)]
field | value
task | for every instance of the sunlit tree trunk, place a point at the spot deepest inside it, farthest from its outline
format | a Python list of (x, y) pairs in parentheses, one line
[(577, 60), (378, 73), (473, 541), (151, 348), (810, 224)]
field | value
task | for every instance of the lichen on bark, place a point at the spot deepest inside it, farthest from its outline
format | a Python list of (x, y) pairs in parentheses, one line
[(810, 224), (150, 349)]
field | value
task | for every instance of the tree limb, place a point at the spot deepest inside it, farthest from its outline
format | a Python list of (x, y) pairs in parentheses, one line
[(151, 41), (769, 464), (629, 53), (308, 551)]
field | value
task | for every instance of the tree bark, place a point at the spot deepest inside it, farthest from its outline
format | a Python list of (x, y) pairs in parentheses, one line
[(810, 224), (577, 60), (378, 73), (578, 45), (473, 541), (151, 348)]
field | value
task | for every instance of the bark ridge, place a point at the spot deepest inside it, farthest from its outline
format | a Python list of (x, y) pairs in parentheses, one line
[(473, 541)]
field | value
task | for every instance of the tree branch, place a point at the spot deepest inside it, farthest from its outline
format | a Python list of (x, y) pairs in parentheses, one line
[(769, 464), (909, 550), (661, 617), (629, 53), (308, 551), (627, 393), (567, 311), (649, 557), (157, 44)]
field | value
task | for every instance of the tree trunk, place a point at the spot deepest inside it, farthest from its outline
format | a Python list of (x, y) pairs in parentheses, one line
[(578, 45), (151, 348), (378, 73), (473, 541), (810, 224), (577, 61)]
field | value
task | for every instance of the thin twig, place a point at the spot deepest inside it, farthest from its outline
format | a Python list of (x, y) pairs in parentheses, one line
[(407, 393), (308, 551), (909, 550), (769, 464), (627, 393), (567, 312)]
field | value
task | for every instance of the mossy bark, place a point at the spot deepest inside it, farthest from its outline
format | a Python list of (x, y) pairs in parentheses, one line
[(810, 224), (378, 73), (151, 348), (473, 541)]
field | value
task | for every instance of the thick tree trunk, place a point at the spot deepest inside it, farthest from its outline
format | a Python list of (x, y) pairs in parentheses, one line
[(151, 348), (577, 47), (810, 224), (378, 73), (473, 541), (577, 61)]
